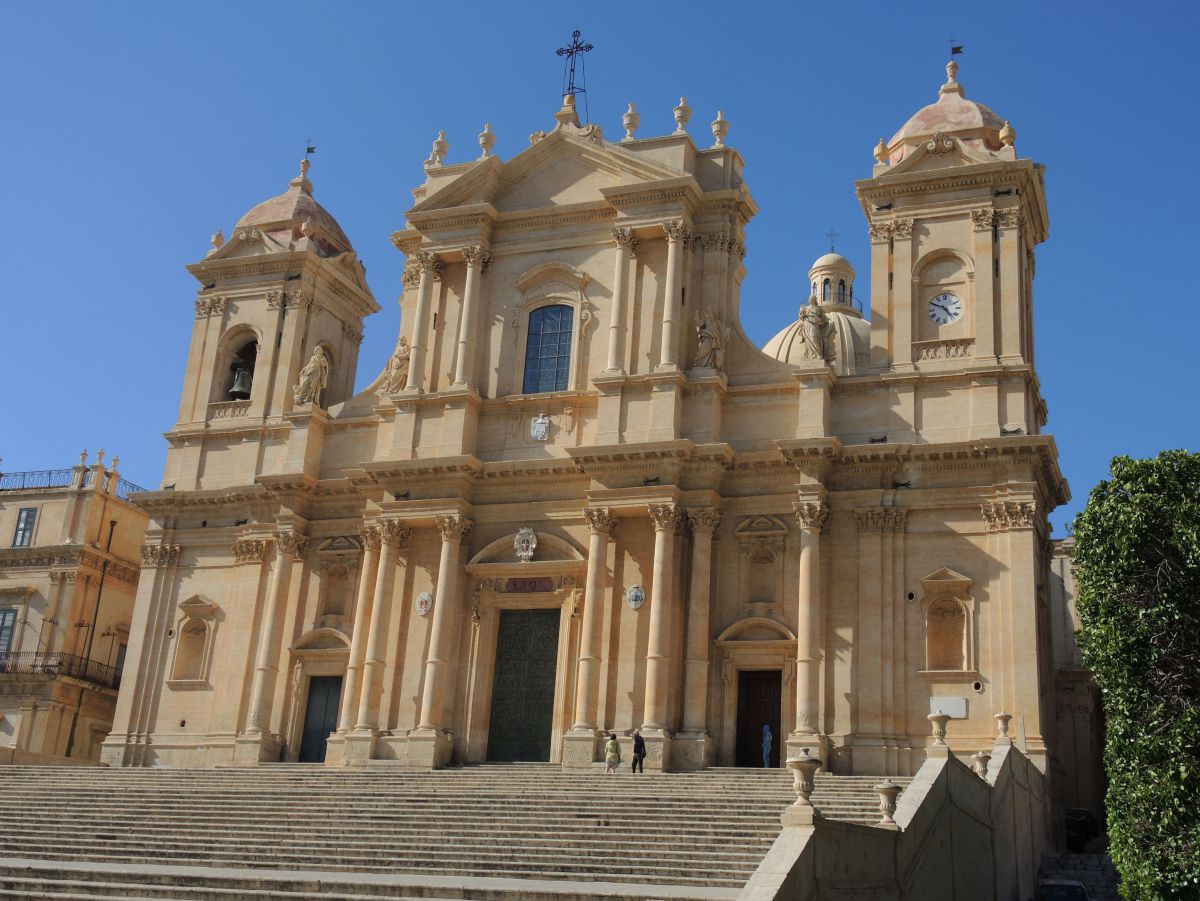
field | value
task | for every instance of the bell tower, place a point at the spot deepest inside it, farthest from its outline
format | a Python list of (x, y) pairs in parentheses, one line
[(286, 284), (955, 216)]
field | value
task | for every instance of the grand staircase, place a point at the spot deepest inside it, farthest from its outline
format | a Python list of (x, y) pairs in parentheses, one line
[(497, 832)]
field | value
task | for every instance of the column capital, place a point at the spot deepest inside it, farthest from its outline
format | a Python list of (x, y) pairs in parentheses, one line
[(880, 519), (159, 554), (431, 262), (676, 230), (811, 514), (705, 520), (1004, 515), (411, 277), (666, 517), (475, 255), (290, 543), (881, 232), (394, 531), (370, 537), (249, 550), (624, 238), (983, 217), (1010, 218), (600, 520), (903, 228), (454, 527)]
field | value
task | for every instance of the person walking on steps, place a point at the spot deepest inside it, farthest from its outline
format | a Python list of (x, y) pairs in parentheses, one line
[(768, 740), (639, 752), (612, 754)]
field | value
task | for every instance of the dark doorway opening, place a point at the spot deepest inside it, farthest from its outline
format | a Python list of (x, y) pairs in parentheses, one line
[(523, 686), (759, 704), (320, 717)]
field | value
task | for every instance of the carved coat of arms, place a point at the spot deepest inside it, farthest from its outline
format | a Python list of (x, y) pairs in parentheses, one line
[(540, 427), (424, 603), (635, 596), (525, 543)]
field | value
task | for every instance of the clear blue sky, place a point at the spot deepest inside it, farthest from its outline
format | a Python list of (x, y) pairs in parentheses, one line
[(132, 131)]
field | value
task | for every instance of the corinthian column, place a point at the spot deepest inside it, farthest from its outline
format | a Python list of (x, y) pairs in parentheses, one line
[(811, 516), (431, 267), (358, 641), (603, 524), (626, 244), (669, 355), (658, 651), (288, 546), (464, 370), (392, 535), (695, 674), (454, 529)]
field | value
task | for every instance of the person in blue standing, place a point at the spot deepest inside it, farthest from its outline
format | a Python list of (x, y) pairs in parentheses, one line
[(767, 741)]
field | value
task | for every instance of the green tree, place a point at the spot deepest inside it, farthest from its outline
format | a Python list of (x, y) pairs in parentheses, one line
[(1137, 562)]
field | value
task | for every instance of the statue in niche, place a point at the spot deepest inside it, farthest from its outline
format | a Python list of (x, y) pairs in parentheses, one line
[(313, 378), (712, 337), (395, 377), (816, 332)]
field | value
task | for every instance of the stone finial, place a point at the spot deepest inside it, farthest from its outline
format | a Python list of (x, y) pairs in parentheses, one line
[(487, 140), (218, 239), (951, 86), (115, 463), (567, 115), (720, 128), (83, 457), (980, 765), (881, 151), (683, 112), (804, 769), (307, 228), (1008, 134), (1002, 720), (630, 121), (301, 181), (888, 790), (100, 462), (437, 153), (939, 720)]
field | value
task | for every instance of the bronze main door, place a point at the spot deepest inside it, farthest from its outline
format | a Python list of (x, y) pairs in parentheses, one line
[(523, 685)]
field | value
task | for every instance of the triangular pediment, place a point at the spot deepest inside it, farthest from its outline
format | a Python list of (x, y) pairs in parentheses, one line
[(939, 152), (946, 580), (247, 241), (561, 168)]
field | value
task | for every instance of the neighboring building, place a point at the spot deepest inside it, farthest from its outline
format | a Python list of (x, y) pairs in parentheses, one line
[(69, 567), (579, 499)]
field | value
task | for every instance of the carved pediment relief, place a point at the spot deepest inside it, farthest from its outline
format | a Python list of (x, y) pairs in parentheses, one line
[(342, 544), (760, 526), (756, 628), (198, 607), (323, 639), (947, 581), (547, 549), (939, 152)]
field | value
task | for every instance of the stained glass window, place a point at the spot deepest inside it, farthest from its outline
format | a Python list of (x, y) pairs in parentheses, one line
[(548, 349)]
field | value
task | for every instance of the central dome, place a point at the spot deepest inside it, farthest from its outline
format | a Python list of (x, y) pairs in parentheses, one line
[(295, 209)]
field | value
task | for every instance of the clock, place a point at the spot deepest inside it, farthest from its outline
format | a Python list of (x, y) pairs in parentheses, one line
[(945, 308)]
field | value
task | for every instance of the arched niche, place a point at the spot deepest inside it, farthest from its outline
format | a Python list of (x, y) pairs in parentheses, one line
[(948, 613), (937, 272), (761, 545), (752, 643), (238, 348), (195, 636)]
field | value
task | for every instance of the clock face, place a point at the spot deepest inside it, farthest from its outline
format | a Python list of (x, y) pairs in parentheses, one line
[(945, 308)]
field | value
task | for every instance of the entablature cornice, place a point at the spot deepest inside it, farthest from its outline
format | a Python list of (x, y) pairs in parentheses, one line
[(556, 217), (156, 502)]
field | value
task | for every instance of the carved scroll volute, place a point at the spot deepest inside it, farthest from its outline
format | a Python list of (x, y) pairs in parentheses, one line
[(454, 527), (665, 516), (811, 514), (601, 520)]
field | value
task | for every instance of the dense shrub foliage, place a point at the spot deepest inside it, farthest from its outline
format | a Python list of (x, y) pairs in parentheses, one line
[(1138, 570)]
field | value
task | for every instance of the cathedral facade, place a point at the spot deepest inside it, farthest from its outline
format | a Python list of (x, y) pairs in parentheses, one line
[(578, 500)]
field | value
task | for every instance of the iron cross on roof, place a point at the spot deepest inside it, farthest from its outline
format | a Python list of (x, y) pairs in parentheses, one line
[(832, 236), (572, 52)]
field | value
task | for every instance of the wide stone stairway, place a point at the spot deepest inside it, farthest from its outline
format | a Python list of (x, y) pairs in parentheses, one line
[(503, 832)]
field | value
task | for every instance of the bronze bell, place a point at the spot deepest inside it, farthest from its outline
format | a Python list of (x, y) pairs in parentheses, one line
[(241, 381)]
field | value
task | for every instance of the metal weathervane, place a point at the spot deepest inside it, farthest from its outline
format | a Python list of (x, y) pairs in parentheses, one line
[(572, 54)]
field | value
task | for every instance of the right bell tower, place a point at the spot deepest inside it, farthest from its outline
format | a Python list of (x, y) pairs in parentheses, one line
[(955, 216)]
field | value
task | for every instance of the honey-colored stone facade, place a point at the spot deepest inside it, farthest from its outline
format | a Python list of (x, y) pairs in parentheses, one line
[(861, 509)]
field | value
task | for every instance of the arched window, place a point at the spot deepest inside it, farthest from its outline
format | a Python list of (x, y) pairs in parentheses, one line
[(946, 635), (841, 290), (826, 291), (242, 371), (189, 656), (814, 290), (548, 349)]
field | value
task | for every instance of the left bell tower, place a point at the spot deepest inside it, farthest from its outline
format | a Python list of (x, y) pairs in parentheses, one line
[(285, 285)]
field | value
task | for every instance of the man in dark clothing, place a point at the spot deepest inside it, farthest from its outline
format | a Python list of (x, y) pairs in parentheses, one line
[(639, 752)]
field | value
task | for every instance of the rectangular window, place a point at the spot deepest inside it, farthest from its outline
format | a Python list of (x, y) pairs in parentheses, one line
[(23, 536), (548, 349), (8, 620)]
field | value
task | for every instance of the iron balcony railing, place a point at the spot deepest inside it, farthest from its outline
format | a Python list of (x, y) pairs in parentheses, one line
[(852, 300), (31, 663), (61, 478)]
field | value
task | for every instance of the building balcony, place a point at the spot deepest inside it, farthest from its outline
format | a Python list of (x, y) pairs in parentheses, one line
[(57, 665)]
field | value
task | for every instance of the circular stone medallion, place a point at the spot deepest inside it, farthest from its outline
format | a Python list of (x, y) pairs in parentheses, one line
[(635, 596), (424, 603)]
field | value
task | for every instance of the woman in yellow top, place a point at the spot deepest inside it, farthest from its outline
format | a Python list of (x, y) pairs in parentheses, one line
[(612, 754)]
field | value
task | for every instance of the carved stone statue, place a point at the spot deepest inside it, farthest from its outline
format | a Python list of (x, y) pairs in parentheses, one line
[(816, 332), (313, 378), (395, 377), (712, 338)]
